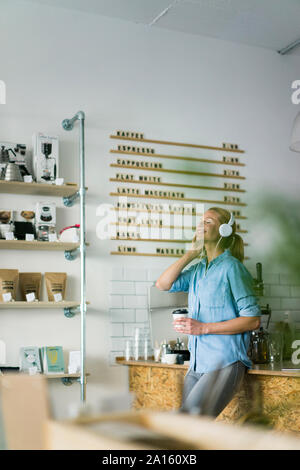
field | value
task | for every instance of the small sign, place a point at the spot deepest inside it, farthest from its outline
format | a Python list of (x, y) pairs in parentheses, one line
[(57, 297), (27, 179), (7, 297), (52, 237), (9, 236), (32, 370), (29, 237), (30, 297), (59, 181)]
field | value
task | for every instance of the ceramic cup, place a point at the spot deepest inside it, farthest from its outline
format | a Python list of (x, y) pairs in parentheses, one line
[(171, 358), (4, 228)]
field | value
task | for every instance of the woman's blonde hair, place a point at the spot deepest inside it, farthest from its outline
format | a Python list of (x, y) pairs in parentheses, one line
[(234, 242)]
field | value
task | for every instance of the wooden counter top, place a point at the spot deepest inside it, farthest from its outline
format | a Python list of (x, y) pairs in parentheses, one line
[(257, 369), (149, 363)]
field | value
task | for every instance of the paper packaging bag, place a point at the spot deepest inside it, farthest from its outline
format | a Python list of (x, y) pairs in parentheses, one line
[(56, 284), (30, 282), (8, 282)]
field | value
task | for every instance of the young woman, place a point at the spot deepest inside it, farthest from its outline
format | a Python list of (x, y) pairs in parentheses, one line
[(222, 312)]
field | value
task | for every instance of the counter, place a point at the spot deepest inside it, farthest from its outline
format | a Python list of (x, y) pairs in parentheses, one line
[(159, 386)]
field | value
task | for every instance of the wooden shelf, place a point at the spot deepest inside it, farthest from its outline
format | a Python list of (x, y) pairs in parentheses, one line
[(178, 172), (37, 245), (177, 185), (38, 305), (144, 254), (180, 199), (63, 376), (164, 240), (122, 224), (152, 254), (43, 189), (118, 209), (150, 240), (173, 157), (177, 144)]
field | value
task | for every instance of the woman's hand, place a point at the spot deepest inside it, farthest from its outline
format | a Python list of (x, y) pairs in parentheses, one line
[(189, 326), (197, 242)]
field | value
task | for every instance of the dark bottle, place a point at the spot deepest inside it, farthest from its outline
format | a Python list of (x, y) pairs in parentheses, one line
[(259, 347)]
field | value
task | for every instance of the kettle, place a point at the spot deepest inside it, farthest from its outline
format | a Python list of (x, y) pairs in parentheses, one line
[(12, 172), (4, 154), (259, 347)]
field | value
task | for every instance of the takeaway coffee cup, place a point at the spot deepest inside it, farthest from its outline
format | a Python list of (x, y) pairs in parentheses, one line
[(180, 313)]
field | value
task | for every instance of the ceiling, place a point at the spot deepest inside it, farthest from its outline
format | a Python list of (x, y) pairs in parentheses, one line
[(272, 24)]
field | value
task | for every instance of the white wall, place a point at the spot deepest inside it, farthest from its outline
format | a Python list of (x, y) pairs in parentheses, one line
[(168, 85)]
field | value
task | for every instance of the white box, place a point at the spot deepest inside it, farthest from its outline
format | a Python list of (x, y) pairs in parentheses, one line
[(74, 362), (46, 168)]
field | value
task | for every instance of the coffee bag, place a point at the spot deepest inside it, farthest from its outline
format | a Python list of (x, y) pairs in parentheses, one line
[(30, 282), (8, 282), (55, 284)]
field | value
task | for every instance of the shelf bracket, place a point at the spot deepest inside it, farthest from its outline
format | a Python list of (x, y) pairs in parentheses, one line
[(71, 255), (67, 381), (69, 201), (70, 312)]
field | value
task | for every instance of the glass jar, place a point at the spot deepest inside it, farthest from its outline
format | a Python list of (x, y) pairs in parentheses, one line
[(43, 232)]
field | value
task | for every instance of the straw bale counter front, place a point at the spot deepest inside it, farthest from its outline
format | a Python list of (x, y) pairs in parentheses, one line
[(159, 386)]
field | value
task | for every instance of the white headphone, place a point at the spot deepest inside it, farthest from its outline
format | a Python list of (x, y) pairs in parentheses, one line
[(225, 230)]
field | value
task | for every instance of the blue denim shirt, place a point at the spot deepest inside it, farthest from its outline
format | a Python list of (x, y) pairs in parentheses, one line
[(221, 292)]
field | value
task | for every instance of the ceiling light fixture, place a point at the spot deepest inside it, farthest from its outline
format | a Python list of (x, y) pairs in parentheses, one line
[(288, 48), (164, 12)]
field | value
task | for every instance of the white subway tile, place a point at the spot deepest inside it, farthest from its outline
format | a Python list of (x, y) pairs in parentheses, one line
[(142, 288), (296, 316), (280, 291), (297, 327), (274, 302), (277, 315), (289, 279), (118, 315), (116, 301), (267, 290), (122, 287), (135, 301), (116, 274), (270, 278), (117, 344), (112, 357), (295, 291), (141, 315), (290, 304), (129, 330), (116, 329), (154, 274), (135, 274)]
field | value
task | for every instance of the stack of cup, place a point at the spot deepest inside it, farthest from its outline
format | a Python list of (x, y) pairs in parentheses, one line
[(5, 228)]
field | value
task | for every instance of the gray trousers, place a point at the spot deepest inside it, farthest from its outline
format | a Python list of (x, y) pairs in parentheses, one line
[(209, 393)]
